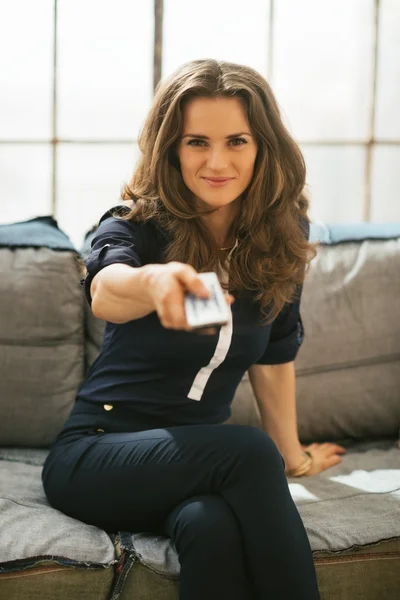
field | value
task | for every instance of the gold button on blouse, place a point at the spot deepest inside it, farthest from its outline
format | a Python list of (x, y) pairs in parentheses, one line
[(108, 407), (100, 430)]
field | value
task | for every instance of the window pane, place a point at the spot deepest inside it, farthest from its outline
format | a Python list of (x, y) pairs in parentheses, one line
[(25, 182), (335, 177), (388, 83), (224, 29), (105, 68), (385, 184), (26, 65), (89, 182), (322, 66)]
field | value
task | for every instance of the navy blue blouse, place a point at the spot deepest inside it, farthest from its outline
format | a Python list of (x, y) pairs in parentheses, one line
[(177, 376)]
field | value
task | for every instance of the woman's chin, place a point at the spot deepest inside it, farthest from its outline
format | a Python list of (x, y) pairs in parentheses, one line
[(215, 202)]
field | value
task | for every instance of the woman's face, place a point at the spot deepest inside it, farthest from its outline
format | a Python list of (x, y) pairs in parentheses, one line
[(217, 150)]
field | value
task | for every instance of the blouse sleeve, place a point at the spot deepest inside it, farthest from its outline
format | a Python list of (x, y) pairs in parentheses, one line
[(287, 331), (116, 241), (287, 335)]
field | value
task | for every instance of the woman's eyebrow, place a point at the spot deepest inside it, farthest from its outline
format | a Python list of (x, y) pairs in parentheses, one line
[(205, 137)]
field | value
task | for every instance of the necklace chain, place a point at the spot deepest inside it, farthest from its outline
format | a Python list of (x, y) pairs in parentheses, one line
[(229, 247)]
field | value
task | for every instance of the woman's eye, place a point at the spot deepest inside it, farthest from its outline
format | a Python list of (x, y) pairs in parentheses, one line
[(233, 142), (196, 143), (238, 141)]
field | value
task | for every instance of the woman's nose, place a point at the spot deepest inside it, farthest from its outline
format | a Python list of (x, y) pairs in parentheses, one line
[(217, 160)]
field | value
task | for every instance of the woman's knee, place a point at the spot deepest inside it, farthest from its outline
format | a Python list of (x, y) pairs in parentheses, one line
[(256, 447), (205, 522)]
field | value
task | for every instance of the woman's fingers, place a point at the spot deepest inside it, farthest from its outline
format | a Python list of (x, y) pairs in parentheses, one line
[(173, 281), (172, 311), (333, 448), (207, 331), (311, 447), (329, 446), (331, 461), (189, 277), (324, 455), (340, 449)]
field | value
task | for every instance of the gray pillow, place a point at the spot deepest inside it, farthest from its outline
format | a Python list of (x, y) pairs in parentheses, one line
[(348, 369), (41, 331)]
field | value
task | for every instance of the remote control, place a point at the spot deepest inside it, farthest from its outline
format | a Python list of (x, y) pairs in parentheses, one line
[(207, 312)]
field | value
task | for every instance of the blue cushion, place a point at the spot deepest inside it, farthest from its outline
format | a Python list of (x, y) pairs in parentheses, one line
[(352, 232), (35, 233)]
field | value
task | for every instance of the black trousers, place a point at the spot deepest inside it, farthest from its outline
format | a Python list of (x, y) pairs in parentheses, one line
[(218, 491)]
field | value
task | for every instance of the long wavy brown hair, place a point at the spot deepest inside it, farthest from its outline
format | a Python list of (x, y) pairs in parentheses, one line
[(273, 254)]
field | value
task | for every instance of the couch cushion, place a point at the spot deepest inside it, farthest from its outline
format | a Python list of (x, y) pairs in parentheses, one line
[(348, 370), (41, 331), (349, 303), (32, 529), (35, 233)]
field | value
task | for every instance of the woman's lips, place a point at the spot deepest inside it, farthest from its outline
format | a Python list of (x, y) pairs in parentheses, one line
[(217, 181)]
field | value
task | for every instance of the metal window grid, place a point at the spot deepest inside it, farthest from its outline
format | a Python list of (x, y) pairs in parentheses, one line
[(158, 7)]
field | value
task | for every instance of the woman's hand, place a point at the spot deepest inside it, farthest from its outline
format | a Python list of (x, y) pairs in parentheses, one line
[(324, 456), (168, 285)]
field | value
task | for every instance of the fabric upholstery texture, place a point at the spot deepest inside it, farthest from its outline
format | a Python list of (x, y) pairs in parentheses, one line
[(50, 581), (350, 359), (30, 527), (41, 332), (351, 355), (35, 233)]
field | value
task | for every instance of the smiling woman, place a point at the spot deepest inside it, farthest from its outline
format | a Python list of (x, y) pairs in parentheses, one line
[(146, 447), (218, 165)]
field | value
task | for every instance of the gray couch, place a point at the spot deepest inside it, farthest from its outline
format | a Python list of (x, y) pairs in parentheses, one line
[(348, 389)]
